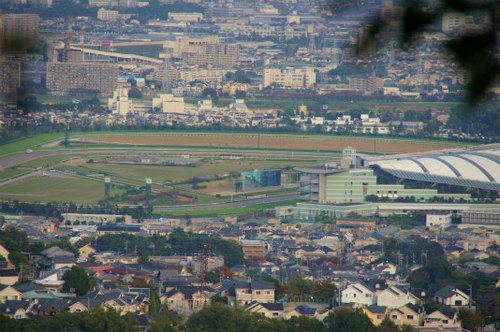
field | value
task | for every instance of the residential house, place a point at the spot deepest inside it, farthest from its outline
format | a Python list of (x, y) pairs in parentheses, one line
[(359, 293), (51, 280), (79, 305), (451, 296), (5, 254), (50, 307), (9, 293), (301, 310), (45, 294), (8, 277), (270, 310), (119, 299), (15, 309), (308, 251), (395, 297), (376, 313), (60, 262), (85, 252), (443, 317), (56, 252), (185, 300), (247, 292), (409, 314)]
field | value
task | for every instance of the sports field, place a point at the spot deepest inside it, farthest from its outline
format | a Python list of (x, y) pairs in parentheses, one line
[(275, 142), (180, 173), (66, 178), (55, 189)]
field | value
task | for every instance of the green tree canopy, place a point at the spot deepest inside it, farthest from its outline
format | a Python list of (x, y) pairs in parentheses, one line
[(301, 286), (345, 319), (76, 278)]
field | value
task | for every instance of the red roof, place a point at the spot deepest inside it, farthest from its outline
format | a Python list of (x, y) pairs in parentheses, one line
[(182, 199), (100, 268)]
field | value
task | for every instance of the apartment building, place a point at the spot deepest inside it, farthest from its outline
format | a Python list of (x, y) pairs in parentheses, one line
[(453, 21), (63, 78), (10, 76), (214, 54), (108, 15), (253, 248), (481, 217), (302, 78), (20, 31)]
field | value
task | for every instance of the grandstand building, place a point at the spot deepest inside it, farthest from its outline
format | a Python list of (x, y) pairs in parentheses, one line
[(477, 167), (353, 187)]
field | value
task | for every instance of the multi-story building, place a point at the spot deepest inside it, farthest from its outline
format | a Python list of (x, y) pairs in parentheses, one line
[(97, 219), (368, 84), (168, 103), (215, 54), (10, 76), (253, 249), (348, 184), (438, 220), (202, 74), (453, 21), (19, 31), (108, 15), (185, 17), (481, 217), (302, 78), (99, 3), (63, 78)]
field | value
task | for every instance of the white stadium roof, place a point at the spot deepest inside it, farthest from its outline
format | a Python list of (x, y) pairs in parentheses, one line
[(471, 168)]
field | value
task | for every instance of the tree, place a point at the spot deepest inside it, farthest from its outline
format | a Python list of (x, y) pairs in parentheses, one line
[(388, 325), (301, 286), (135, 93), (470, 319), (76, 278), (345, 319), (97, 320), (209, 92), (304, 324), (324, 289)]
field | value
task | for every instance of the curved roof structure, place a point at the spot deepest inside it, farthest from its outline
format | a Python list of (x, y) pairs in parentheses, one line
[(476, 169)]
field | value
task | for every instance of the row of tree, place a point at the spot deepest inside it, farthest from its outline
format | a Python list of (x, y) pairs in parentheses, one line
[(211, 319)]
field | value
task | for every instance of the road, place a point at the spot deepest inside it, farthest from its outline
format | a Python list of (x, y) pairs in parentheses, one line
[(241, 203)]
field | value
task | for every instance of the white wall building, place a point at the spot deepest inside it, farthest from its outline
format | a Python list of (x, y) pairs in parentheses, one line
[(108, 15), (359, 294), (302, 78), (395, 297), (168, 103), (120, 102), (438, 220)]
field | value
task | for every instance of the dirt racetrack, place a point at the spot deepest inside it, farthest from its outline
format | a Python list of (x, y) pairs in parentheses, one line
[(327, 143)]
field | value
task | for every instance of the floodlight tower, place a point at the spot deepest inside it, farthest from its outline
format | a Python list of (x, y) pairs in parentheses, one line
[(107, 188), (166, 83), (204, 254), (149, 207)]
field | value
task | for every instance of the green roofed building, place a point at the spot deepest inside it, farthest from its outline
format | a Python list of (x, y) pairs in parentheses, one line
[(323, 185), (340, 190)]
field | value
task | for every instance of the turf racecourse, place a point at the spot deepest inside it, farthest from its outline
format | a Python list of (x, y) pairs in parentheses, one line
[(221, 140)]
